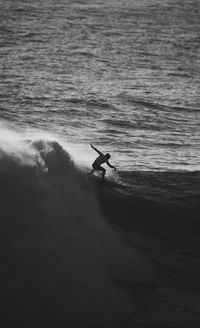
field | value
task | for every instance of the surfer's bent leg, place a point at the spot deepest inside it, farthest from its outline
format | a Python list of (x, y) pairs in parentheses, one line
[(94, 169), (100, 168)]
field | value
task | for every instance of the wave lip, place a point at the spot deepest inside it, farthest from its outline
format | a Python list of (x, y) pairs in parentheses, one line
[(62, 263)]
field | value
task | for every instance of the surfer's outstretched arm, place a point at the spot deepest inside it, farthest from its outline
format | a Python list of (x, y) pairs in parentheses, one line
[(98, 151), (112, 167)]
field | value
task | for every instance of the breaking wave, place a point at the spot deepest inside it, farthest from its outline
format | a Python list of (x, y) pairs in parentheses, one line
[(61, 262)]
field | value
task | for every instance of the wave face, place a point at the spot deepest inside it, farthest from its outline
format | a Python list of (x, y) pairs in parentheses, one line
[(162, 203), (61, 263), (158, 213)]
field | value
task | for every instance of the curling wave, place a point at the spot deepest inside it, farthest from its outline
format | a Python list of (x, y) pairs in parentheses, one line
[(61, 263)]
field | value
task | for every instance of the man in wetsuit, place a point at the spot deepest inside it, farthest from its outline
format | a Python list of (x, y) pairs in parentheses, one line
[(100, 160)]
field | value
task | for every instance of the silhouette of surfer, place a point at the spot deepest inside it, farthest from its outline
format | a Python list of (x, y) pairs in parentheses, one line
[(99, 161)]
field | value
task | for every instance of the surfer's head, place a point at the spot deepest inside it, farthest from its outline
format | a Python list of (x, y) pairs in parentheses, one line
[(107, 156)]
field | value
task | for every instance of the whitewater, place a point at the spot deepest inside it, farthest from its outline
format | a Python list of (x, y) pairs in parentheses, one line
[(124, 76)]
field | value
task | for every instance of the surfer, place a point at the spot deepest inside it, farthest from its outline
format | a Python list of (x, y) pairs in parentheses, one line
[(99, 161)]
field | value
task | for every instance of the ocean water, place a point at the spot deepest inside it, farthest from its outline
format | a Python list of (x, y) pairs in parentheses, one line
[(123, 75)]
